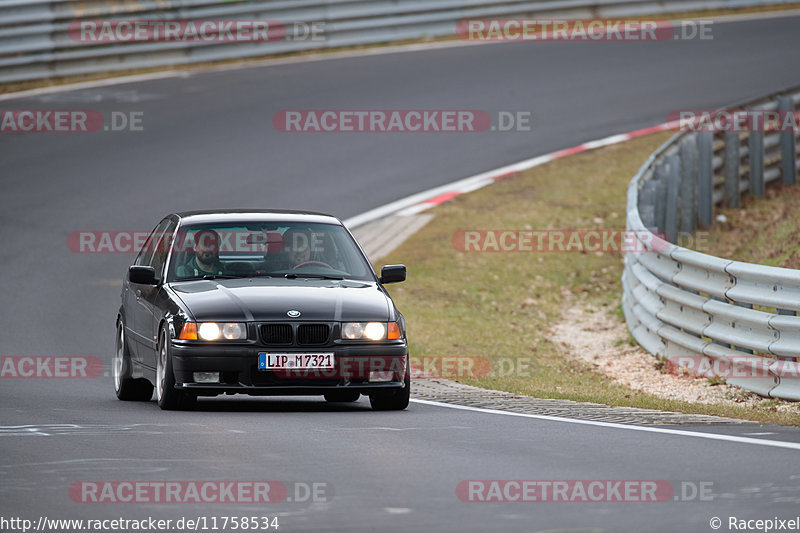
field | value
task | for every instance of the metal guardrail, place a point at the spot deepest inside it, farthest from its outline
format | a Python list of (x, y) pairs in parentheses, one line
[(35, 42), (731, 319)]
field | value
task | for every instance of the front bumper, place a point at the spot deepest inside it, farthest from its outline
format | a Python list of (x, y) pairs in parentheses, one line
[(239, 373)]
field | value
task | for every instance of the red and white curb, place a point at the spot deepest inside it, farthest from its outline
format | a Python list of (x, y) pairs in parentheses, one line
[(421, 201)]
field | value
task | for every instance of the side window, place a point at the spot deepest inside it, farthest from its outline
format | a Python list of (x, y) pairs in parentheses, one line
[(145, 257), (162, 248)]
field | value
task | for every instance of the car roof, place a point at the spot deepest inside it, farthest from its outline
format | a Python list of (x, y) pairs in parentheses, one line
[(255, 215)]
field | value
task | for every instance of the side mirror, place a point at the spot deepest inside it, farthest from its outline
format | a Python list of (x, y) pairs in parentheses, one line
[(142, 275), (393, 273)]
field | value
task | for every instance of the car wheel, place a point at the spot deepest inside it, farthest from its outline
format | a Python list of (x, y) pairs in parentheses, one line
[(126, 387), (396, 400), (169, 398), (343, 396)]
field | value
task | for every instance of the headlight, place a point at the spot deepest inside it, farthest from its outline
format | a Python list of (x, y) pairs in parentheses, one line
[(209, 331), (374, 331), (212, 331), (234, 331)]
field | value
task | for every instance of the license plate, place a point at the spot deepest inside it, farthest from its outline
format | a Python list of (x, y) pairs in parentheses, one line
[(286, 361)]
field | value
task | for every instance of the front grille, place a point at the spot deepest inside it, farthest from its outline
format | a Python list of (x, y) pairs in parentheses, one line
[(312, 334), (280, 334)]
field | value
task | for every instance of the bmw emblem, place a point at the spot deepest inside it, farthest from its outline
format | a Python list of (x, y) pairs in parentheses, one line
[(293, 313)]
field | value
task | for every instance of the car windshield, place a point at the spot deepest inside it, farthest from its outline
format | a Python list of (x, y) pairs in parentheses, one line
[(266, 249)]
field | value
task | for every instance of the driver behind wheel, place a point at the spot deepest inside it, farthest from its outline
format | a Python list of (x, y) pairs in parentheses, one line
[(205, 260)]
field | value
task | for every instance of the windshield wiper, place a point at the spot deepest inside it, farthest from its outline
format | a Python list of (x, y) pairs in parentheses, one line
[(315, 276)]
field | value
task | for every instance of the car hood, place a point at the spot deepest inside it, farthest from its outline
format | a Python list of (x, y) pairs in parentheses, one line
[(260, 299)]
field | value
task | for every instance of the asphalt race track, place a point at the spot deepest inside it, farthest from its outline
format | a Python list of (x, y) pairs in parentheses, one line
[(208, 141)]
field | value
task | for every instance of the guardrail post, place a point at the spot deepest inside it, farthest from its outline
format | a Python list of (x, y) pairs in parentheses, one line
[(671, 184), (705, 190), (688, 184), (756, 147), (788, 153), (659, 186), (647, 211), (731, 169)]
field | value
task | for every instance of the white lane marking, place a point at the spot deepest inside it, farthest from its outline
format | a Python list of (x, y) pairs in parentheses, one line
[(761, 433), (597, 423), (104, 459), (346, 54), (108, 82), (383, 428), (49, 430), (397, 510)]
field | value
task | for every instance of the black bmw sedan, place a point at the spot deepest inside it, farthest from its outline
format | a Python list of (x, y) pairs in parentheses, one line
[(258, 303)]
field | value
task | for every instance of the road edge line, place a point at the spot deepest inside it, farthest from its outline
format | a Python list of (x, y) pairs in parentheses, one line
[(614, 425)]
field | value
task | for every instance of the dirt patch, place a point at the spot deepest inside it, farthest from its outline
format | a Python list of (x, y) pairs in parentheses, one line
[(593, 336), (764, 231)]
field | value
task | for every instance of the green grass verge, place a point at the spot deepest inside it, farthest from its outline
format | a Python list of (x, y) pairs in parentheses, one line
[(500, 305), (764, 231)]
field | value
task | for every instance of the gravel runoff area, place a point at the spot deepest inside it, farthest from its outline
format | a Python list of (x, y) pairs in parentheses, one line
[(597, 338)]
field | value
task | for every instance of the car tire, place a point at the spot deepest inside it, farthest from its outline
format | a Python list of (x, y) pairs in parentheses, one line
[(396, 400), (126, 387), (169, 398), (344, 396)]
